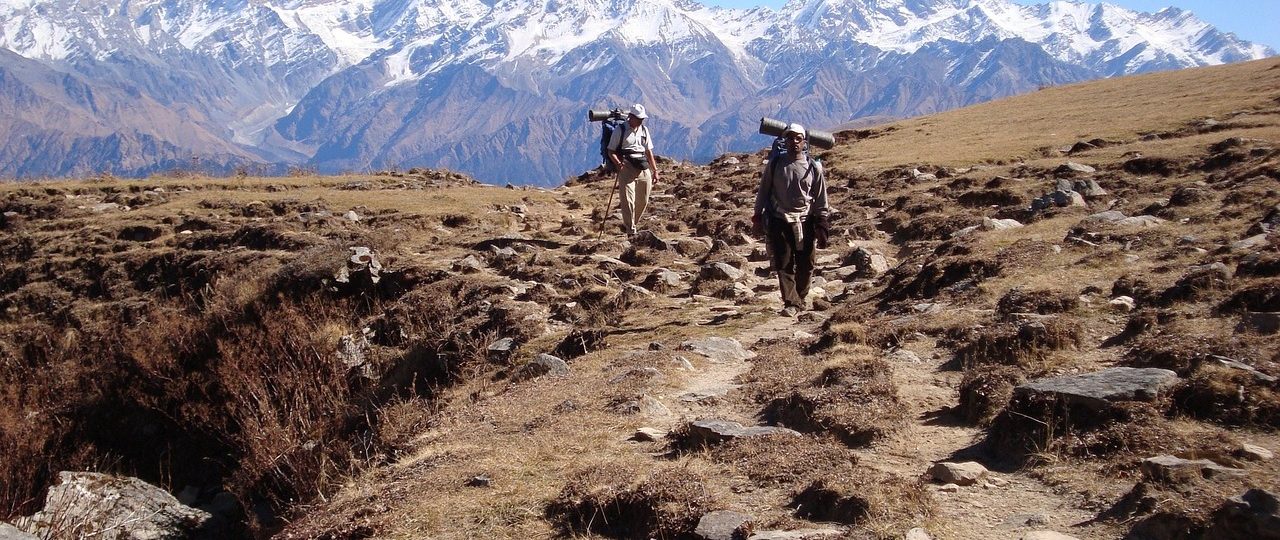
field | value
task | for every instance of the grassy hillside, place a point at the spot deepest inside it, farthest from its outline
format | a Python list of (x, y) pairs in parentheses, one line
[(220, 337)]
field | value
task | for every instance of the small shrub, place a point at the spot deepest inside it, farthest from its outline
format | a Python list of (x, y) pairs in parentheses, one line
[(1229, 396), (985, 390), (1021, 345), (611, 501), (857, 402), (1043, 302)]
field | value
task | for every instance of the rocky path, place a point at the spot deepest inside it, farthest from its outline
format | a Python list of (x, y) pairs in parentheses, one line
[(1002, 505)]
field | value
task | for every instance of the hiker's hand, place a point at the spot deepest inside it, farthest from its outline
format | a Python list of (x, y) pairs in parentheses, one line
[(821, 231), (757, 226), (656, 175)]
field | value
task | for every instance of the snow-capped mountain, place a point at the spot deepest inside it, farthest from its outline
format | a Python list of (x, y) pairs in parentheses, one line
[(498, 88)]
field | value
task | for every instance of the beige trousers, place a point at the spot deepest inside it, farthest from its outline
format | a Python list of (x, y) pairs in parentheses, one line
[(633, 194)]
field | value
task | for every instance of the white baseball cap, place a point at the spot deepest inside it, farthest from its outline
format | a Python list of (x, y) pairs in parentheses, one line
[(795, 128), (637, 111)]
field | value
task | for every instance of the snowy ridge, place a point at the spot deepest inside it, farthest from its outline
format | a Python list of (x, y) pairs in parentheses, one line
[(348, 84)]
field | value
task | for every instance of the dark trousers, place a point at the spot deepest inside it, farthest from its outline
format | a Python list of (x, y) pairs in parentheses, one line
[(794, 263)]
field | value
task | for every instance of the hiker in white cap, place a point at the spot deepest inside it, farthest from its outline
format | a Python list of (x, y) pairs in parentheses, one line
[(631, 151), (791, 211)]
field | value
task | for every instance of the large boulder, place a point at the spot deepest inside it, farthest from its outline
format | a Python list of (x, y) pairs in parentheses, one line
[(94, 505), (1255, 515), (1099, 389)]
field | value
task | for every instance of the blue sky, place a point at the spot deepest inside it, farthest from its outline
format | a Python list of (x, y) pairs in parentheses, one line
[(1254, 20)]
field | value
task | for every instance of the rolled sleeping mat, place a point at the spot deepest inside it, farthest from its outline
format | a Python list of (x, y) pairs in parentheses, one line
[(774, 127), (821, 139), (597, 116)]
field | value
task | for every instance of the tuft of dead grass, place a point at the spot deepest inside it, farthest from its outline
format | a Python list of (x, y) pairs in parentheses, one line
[(616, 502)]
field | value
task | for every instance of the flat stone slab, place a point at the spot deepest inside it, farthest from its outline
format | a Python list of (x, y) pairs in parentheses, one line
[(1175, 470), (798, 534), (718, 349), (9, 532), (712, 432), (722, 525), (1099, 389)]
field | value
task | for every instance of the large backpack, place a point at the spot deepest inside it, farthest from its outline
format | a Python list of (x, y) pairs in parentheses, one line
[(615, 122)]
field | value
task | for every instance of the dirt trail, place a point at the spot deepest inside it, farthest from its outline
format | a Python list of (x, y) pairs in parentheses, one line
[(1004, 506)]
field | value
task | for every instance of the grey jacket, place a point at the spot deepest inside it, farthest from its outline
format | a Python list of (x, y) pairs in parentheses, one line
[(797, 190)]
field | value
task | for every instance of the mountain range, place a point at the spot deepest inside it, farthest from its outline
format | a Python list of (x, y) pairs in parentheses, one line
[(498, 88)]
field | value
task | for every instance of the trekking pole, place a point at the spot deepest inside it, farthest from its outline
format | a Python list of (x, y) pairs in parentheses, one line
[(607, 206)]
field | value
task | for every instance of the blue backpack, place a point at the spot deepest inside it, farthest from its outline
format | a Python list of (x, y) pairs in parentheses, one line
[(616, 121)]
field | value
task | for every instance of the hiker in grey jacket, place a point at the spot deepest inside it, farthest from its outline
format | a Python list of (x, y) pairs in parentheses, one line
[(792, 211), (631, 150)]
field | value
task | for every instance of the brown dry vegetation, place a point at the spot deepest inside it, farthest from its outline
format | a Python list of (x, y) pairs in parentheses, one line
[(202, 338)]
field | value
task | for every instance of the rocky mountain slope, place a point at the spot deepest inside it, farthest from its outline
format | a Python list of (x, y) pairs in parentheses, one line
[(1065, 325), (488, 87)]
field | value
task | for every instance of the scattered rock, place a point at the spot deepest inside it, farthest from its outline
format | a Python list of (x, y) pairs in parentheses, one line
[(919, 176), (1061, 199), (798, 534), (1254, 453), (479, 481), (351, 215), (363, 264), (543, 364), (918, 534), (719, 270), (1089, 188), (962, 474), (652, 408), (9, 532), (713, 432), (500, 350), (723, 525), (989, 224), (1123, 304), (1255, 515), (1028, 520), (1099, 389), (126, 507), (949, 488), (1175, 470), (648, 434), (718, 349), (1250, 244), (1072, 168), (352, 348), (1045, 535), (903, 356), (646, 238), (868, 262), (468, 265)]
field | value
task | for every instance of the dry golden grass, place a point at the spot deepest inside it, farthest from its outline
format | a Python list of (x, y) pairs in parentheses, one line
[(1017, 128)]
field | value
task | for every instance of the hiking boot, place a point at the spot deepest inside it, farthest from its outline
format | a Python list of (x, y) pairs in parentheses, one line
[(789, 311)]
